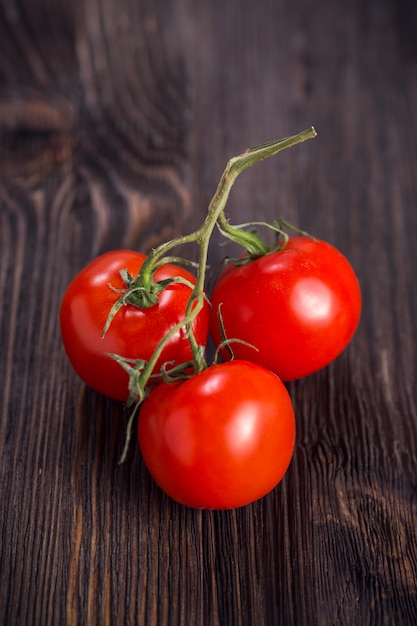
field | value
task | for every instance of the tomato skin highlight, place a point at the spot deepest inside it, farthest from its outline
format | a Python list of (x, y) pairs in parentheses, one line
[(220, 440), (299, 307), (133, 333)]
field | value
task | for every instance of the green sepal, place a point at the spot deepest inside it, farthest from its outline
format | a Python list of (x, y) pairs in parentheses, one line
[(247, 239)]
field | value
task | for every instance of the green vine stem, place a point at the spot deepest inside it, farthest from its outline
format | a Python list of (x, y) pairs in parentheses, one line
[(144, 284), (215, 212)]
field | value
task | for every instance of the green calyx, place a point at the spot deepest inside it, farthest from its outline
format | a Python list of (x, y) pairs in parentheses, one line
[(139, 293), (249, 240), (247, 236)]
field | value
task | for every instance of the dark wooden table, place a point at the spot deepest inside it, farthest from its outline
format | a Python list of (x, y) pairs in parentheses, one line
[(116, 121)]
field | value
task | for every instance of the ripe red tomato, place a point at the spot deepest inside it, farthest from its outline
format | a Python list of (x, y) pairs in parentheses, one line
[(220, 440), (134, 333), (299, 307)]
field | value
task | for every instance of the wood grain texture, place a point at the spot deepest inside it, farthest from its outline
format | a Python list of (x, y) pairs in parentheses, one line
[(116, 120)]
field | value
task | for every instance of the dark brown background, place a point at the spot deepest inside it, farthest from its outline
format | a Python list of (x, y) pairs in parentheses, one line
[(116, 121)]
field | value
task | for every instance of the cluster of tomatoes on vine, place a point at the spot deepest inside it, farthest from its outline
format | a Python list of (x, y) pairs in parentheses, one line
[(135, 328)]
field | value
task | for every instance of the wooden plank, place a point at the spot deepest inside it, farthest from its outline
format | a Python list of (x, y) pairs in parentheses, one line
[(116, 120)]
